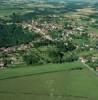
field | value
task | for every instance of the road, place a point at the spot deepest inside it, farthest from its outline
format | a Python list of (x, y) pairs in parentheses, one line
[(91, 69)]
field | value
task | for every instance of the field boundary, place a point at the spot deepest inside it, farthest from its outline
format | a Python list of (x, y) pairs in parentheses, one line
[(11, 74), (91, 69), (32, 74), (44, 94)]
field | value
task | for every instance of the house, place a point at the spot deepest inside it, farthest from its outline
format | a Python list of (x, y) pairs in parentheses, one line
[(94, 59), (83, 60), (13, 60)]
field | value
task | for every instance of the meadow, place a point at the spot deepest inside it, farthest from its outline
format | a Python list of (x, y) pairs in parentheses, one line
[(51, 82)]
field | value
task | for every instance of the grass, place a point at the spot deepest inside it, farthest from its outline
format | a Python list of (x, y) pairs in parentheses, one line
[(8, 12), (19, 71), (93, 30), (25, 8), (87, 53), (62, 85)]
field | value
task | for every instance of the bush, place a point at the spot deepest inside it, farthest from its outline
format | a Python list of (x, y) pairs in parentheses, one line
[(71, 57), (55, 55), (41, 62), (93, 64), (31, 59)]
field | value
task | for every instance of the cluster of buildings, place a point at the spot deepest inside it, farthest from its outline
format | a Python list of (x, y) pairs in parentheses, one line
[(16, 48), (11, 51)]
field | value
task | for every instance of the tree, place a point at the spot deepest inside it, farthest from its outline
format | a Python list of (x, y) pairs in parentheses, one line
[(71, 57), (65, 46), (31, 59), (55, 55), (13, 34)]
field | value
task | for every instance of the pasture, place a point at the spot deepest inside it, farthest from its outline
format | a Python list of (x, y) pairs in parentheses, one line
[(49, 82), (8, 12)]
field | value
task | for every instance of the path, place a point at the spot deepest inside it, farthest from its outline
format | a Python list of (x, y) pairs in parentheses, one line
[(91, 69)]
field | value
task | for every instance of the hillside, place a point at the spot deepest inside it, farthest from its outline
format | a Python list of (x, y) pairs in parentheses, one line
[(48, 50), (47, 32)]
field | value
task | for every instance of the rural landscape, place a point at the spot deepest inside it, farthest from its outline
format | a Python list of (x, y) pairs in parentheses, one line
[(48, 50)]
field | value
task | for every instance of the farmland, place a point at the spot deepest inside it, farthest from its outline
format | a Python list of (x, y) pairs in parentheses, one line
[(63, 84), (48, 50)]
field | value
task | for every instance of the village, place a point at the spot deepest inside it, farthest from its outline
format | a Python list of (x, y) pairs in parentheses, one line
[(55, 29), (48, 49)]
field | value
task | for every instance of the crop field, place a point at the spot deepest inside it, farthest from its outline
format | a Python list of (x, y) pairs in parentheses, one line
[(86, 11), (51, 82), (25, 8), (8, 12)]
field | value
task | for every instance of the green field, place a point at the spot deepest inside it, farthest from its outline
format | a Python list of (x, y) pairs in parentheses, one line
[(94, 30), (8, 12), (51, 82)]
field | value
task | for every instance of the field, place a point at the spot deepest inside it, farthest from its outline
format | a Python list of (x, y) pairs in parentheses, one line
[(51, 82), (40, 73), (8, 12), (86, 11), (25, 8), (94, 30)]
